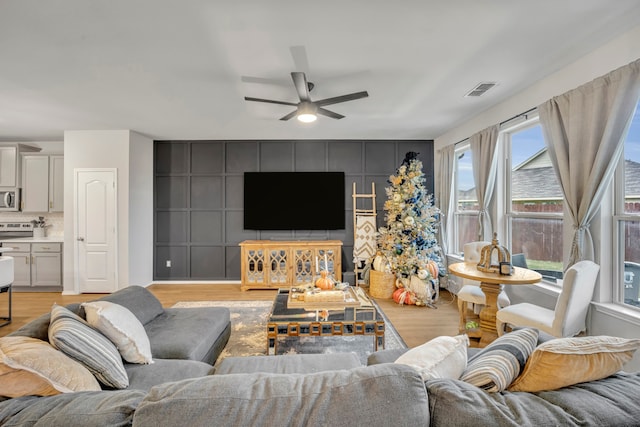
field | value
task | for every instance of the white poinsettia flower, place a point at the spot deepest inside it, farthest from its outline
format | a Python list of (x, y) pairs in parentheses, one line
[(409, 220)]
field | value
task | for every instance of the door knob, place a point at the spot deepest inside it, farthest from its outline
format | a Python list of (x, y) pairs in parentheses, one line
[(80, 239)]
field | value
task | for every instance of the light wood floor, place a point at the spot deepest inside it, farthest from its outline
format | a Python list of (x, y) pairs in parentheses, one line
[(416, 325)]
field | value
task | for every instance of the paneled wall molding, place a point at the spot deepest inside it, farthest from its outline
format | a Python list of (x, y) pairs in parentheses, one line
[(198, 196)]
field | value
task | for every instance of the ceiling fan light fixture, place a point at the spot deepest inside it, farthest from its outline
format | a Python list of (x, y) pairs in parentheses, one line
[(307, 118), (307, 112)]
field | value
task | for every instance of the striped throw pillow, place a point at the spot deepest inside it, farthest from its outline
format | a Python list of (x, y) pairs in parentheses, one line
[(496, 366), (70, 334)]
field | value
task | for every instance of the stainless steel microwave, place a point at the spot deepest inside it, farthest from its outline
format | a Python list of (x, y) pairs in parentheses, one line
[(10, 200)]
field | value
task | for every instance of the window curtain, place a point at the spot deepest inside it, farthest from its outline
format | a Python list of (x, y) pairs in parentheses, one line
[(584, 130), (485, 164), (447, 157)]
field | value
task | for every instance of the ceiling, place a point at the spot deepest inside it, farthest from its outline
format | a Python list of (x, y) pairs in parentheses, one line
[(180, 69)]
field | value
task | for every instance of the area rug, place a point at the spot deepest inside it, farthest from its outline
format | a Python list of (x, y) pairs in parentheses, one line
[(249, 333)]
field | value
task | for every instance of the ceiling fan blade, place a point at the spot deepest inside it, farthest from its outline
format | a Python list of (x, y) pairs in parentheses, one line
[(300, 61), (270, 101), (330, 114), (290, 115), (300, 81), (342, 98), (265, 81)]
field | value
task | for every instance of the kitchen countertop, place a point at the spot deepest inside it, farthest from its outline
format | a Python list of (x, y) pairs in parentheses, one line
[(54, 239)]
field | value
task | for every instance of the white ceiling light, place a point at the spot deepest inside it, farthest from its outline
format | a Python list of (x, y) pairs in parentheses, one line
[(307, 112)]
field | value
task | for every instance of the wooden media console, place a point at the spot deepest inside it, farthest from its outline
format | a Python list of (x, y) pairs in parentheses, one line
[(269, 264)]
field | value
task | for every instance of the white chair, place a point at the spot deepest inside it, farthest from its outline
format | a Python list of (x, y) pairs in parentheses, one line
[(570, 314), (470, 293)]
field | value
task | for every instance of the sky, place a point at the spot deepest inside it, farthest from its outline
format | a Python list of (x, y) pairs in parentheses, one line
[(529, 141)]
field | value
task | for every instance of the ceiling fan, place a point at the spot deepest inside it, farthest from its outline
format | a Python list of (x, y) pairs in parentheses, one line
[(307, 110)]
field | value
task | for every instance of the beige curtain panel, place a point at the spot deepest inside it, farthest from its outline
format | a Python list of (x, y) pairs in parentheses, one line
[(485, 165), (447, 156), (584, 131)]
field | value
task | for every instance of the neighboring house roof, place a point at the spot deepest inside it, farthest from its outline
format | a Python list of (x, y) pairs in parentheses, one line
[(535, 184), (632, 178), (538, 160), (535, 179)]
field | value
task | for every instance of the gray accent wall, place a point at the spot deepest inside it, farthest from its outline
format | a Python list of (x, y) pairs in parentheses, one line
[(198, 196)]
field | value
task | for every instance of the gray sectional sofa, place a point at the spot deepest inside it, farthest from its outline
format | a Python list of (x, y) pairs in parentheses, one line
[(303, 390), (185, 342)]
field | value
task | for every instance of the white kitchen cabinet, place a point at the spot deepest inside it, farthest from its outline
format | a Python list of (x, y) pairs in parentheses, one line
[(43, 182), (10, 163), (46, 268), (56, 183), (36, 264), (35, 182), (21, 263)]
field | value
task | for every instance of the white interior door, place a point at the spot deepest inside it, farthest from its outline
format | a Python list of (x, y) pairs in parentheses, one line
[(95, 234)]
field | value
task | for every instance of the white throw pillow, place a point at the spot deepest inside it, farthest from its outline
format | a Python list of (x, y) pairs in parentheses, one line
[(122, 327), (442, 357)]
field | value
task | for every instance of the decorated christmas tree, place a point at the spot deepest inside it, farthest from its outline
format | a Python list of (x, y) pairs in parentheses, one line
[(409, 239)]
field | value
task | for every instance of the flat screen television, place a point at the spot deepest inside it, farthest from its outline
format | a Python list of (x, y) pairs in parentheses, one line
[(294, 201)]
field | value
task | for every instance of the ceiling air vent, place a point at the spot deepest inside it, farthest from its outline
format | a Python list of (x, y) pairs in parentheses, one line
[(480, 89)]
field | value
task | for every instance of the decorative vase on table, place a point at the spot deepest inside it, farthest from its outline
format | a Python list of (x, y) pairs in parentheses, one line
[(408, 241)]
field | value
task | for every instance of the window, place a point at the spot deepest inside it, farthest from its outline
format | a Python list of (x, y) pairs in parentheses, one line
[(466, 201), (534, 201), (627, 218)]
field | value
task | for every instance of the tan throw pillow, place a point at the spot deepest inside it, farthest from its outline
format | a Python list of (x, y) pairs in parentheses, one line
[(566, 361), (442, 357), (31, 367), (122, 327)]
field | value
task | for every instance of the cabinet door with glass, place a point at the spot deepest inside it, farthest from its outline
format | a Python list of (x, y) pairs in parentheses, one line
[(309, 262), (278, 271)]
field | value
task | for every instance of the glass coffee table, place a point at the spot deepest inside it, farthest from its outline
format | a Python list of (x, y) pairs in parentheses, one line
[(351, 320)]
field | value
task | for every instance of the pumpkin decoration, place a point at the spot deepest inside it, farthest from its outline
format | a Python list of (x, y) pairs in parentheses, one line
[(380, 263), (432, 266), (410, 298), (397, 294), (403, 296), (324, 282)]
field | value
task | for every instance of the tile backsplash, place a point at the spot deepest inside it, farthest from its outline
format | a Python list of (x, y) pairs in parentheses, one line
[(54, 221)]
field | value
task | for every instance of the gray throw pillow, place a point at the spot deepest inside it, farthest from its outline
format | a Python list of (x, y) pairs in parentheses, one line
[(495, 367), (74, 337)]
